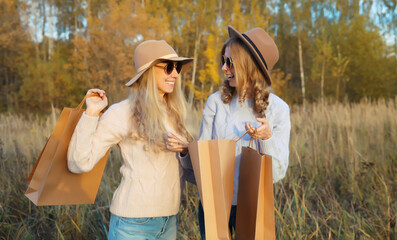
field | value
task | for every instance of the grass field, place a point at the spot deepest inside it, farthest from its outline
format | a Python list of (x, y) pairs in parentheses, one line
[(341, 182)]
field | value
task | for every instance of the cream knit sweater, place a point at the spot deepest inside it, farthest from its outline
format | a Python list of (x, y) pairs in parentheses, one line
[(151, 182)]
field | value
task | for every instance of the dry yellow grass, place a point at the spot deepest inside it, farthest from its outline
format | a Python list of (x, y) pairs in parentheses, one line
[(341, 183)]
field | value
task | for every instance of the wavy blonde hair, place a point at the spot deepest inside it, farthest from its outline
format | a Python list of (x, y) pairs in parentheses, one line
[(249, 77), (150, 114)]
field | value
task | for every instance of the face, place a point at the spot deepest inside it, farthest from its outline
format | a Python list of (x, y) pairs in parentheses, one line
[(229, 72), (165, 82)]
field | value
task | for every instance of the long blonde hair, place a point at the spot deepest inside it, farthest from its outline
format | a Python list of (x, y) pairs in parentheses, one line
[(248, 77), (149, 114)]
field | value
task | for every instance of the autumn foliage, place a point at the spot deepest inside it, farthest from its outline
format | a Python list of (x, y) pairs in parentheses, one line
[(52, 51)]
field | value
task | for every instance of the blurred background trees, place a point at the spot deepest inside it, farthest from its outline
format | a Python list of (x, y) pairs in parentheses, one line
[(52, 51)]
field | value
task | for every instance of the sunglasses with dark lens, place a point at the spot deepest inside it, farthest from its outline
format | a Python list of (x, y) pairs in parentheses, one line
[(170, 67), (228, 61)]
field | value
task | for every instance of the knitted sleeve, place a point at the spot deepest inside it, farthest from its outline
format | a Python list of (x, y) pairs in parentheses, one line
[(92, 138)]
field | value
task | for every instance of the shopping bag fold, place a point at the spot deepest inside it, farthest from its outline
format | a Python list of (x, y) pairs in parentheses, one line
[(213, 165)]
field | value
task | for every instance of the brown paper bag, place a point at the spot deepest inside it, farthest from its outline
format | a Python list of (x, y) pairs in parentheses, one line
[(213, 165), (255, 200), (51, 182)]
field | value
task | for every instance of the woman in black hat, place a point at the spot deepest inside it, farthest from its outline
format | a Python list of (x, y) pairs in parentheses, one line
[(245, 103)]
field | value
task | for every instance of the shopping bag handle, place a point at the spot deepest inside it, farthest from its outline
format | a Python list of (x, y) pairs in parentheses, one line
[(251, 144), (80, 106), (236, 139)]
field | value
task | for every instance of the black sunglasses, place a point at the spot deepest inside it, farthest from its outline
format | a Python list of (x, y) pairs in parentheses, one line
[(228, 61), (170, 67)]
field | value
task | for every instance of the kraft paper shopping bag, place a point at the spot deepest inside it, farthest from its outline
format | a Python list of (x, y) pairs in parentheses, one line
[(51, 182), (255, 218), (213, 166)]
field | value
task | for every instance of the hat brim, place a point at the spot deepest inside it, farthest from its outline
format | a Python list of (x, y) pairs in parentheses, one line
[(234, 33), (139, 74)]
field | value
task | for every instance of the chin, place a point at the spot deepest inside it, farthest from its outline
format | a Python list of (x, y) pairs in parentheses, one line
[(170, 90)]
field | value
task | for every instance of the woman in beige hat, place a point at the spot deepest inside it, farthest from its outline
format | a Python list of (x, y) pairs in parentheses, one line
[(150, 131), (245, 103)]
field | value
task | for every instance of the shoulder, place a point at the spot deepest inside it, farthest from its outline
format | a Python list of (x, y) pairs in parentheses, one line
[(215, 98), (213, 101), (118, 113), (277, 104), (120, 108)]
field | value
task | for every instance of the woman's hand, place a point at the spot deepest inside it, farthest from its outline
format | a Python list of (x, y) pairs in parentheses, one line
[(263, 132), (97, 103), (175, 144)]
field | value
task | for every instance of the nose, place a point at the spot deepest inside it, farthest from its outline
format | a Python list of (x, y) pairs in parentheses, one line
[(174, 73), (224, 68)]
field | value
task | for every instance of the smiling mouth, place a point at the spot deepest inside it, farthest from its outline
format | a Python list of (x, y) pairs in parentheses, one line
[(229, 76)]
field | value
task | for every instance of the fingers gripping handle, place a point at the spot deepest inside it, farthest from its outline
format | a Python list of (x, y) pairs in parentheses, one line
[(88, 95), (251, 142)]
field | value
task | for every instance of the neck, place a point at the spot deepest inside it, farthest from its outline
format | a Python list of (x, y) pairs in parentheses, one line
[(162, 96)]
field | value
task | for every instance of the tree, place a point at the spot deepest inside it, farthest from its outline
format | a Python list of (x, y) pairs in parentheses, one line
[(209, 75), (15, 47), (322, 47), (364, 48), (338, 71), (300, 12), (105, 57), (94, 43)]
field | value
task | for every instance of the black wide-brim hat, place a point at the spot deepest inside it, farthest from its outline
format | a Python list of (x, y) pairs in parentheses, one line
[(262, 47)]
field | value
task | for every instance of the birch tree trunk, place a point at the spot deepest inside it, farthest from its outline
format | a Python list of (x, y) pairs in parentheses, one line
[(322, 82), (302, 73), (337, 88), (51, 37), (196, 47), (43, 15)]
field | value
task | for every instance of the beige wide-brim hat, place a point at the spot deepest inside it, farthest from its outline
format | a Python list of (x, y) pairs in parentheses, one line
[(151, 52), (262, 47)]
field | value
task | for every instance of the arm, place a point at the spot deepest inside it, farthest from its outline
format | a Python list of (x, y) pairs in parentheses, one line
[(205, 134), (91, 139), (176, 144), (93, 136), (278, 144), (207, 121), (275, 141)]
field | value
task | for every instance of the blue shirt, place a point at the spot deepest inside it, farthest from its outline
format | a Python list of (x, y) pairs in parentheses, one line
[(227, 121)]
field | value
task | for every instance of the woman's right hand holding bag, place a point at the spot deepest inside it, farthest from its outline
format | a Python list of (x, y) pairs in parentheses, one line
[(96, 103)]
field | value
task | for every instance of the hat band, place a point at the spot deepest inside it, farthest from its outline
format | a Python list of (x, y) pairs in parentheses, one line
[(149, 63), (256, 49)]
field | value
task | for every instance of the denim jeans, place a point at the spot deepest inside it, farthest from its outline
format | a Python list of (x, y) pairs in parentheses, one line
[(122, 228), (232, 220)]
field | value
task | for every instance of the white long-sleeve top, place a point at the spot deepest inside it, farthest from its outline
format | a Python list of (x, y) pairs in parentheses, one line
[(151, 182), (227, 121)]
